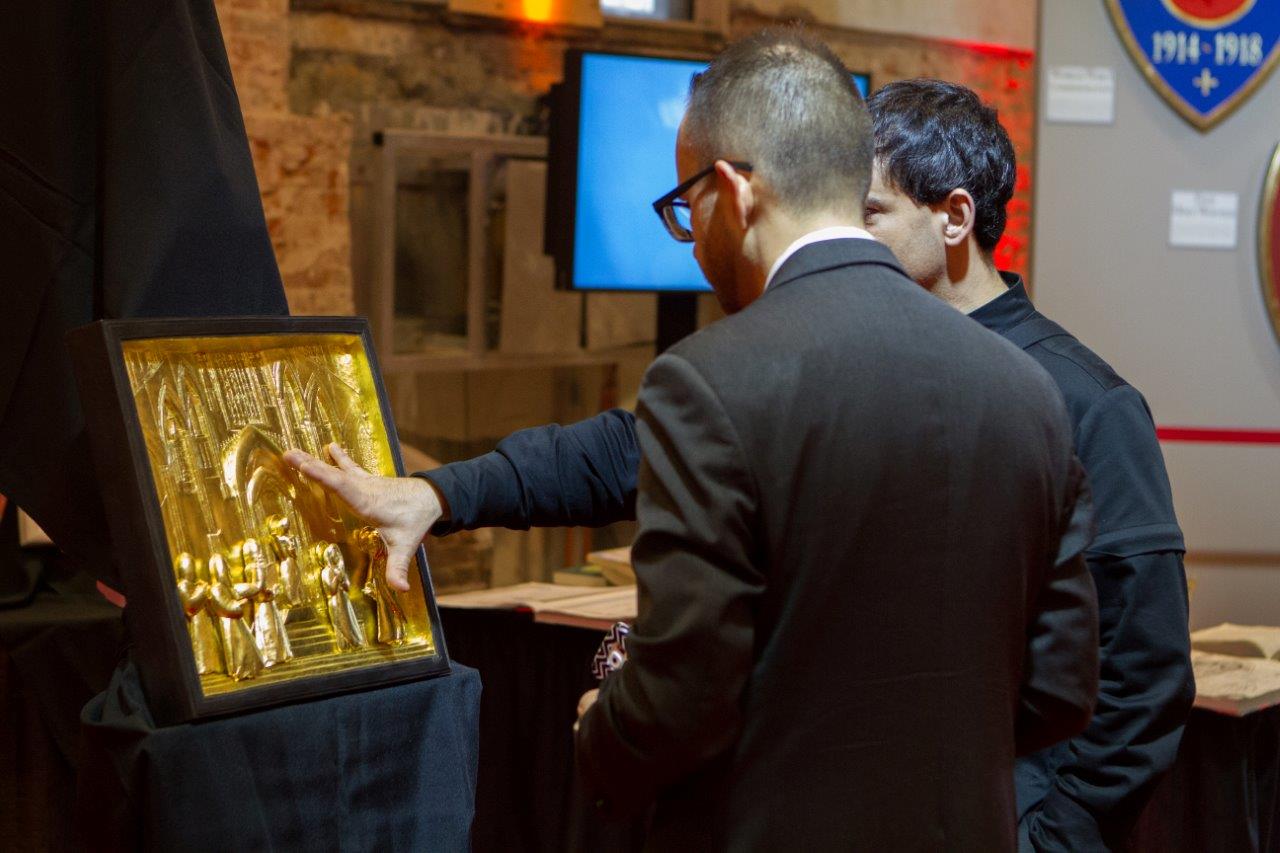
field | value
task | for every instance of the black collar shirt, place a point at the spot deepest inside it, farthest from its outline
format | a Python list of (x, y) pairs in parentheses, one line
[(1086, 793)]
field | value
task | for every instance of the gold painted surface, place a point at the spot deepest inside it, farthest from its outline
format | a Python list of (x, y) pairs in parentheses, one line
[(278, 580)]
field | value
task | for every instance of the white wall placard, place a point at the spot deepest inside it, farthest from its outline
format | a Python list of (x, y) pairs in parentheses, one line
[(1203, 220), (1079, 95)]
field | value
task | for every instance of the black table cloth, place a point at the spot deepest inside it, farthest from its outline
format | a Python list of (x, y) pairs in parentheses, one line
[(1223, 791), (56, 652), (386, 769), (1222, 794), (527, 796)]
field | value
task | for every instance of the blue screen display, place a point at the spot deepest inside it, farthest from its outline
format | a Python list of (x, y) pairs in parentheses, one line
[(629, 112)]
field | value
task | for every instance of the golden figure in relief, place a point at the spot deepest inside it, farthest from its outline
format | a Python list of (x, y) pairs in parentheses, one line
[(284, 547), (196, 603), (230, 601), (246, 582), (390, 617), (268, 625), (337, 585)]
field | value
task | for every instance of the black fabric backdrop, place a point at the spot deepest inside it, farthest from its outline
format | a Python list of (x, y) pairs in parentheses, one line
[(386, 769), (126, 190), (55, 653), (1223, 791), (527, 796)]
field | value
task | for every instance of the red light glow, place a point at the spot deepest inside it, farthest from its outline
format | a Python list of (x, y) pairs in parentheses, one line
[(1003, 51)]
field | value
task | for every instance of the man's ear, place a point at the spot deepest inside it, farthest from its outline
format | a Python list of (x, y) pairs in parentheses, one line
[(961, 214), (736, 191)]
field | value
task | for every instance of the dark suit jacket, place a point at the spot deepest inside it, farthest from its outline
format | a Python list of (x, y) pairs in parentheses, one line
[(861, 582)]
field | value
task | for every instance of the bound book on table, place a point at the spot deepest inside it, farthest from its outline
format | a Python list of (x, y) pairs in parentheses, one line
[(587, 575), (1249, 641), (614, 564)]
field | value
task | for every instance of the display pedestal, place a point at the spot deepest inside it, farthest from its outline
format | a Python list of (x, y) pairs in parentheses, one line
[(390, 768)]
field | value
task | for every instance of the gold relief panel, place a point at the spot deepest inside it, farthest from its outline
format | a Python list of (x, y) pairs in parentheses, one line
[(277, 581)]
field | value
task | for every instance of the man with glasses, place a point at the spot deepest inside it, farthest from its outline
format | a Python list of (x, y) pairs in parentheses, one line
[(860, 522)]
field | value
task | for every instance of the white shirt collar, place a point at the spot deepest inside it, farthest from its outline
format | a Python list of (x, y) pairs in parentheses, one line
[(835, 232)]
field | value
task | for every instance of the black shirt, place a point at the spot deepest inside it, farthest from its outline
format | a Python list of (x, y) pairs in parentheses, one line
[(1085, 793), (1114, 434)]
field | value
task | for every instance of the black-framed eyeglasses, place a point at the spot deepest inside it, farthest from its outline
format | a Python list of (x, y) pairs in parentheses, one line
[(674, 211)]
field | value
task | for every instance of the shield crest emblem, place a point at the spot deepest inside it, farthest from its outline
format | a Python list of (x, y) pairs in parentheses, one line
[(1269, 242), (1204, 57)]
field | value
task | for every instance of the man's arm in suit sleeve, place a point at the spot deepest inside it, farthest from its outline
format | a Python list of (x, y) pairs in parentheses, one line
[(581, 475), (1060, 676), (676, 703), (1147, 686)]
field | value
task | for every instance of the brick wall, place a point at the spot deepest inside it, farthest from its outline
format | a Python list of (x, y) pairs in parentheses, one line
[(417, 70), (302, 162), (309, 78)]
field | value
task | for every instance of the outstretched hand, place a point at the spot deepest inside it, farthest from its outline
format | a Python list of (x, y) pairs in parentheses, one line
[(402, 508)]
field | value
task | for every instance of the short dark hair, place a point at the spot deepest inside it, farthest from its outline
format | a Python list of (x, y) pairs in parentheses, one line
[(933, 137), (781, 100)]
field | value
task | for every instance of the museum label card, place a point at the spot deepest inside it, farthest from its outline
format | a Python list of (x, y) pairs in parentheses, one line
[(1079, 95), (1203, 220)]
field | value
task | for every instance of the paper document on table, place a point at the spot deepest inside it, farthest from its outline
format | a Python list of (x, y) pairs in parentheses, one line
[(1235, 685)]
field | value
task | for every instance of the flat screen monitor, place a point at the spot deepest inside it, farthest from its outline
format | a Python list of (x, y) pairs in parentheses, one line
[(612, 151)]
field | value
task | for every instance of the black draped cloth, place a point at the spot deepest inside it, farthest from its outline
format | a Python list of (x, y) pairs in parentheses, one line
[(386, 769), (1223, 791), (528, 796), (55, 653), (126, 190)]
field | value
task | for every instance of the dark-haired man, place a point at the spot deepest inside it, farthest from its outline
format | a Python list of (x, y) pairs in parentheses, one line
[(944, 172), (861, 589)]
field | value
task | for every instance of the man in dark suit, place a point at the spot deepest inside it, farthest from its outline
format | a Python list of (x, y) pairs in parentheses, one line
[(861, 589), (944, 172)]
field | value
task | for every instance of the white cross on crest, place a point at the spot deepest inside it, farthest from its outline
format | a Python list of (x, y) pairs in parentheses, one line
[(1206, 82)]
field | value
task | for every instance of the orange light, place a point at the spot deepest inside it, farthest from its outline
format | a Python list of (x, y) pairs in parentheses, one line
[(538, 11)]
